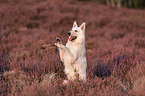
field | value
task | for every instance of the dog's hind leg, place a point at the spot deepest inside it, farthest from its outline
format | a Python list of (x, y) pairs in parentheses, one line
[(82, 73), (69, 70)]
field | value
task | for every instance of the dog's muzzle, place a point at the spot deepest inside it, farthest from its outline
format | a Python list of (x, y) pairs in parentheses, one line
[(69, 33)]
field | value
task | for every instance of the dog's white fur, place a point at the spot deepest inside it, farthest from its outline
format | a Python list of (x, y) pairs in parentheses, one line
[(74, 53)]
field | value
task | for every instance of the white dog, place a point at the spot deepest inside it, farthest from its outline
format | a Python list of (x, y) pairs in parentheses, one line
[(74, 53)]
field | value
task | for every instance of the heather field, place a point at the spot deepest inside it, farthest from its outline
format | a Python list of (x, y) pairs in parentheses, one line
[(30, 65)]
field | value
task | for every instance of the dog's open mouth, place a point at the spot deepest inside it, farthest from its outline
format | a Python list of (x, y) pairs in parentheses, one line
[(71, 38)]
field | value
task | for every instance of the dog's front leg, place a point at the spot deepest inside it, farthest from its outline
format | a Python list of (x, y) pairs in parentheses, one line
[(61, 51), (66, 50)]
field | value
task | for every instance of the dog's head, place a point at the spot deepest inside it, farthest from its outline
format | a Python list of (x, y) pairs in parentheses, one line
[(77, 33)]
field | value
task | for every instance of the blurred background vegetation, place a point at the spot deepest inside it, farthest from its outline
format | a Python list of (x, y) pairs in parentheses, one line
[(138, 4)]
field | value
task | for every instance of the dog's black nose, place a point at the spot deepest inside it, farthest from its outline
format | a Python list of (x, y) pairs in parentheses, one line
[(69, 33)]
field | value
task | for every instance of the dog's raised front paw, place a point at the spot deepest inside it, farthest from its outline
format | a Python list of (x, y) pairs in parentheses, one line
[(58, 40), (59, 45), (56, 44)]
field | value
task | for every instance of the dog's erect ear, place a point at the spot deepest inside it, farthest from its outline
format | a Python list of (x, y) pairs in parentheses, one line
[(75, 24), (82, 26)]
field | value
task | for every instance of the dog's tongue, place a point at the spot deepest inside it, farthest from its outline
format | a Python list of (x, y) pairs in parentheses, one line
[(71, 38)]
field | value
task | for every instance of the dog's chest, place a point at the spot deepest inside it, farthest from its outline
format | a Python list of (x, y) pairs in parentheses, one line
[(76, 49), (73, 49)]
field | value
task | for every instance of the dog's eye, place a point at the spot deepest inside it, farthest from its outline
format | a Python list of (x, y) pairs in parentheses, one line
[(76, 30)]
